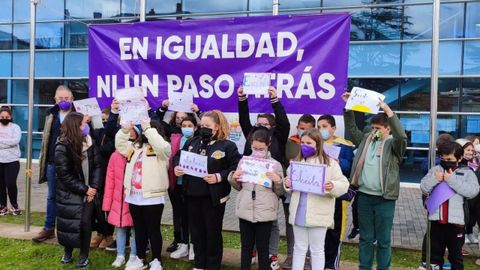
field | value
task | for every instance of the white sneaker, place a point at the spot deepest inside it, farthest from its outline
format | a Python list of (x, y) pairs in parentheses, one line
[(119, 261), (136, 264), (182, 251), (155, 265), (191, 253), (197, 269), (131, 260), (472, 239)]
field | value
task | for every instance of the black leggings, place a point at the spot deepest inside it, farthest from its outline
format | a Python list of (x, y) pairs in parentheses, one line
[(258, 234), (8, 183), (180, 215), (146, 222)]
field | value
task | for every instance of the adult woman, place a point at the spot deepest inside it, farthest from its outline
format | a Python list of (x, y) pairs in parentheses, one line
[(10, 135), (79, 176), (206, 197)]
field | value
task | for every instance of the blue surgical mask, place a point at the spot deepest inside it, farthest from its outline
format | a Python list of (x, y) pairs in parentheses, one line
[(187, 132), (325, 134), (300, 133)]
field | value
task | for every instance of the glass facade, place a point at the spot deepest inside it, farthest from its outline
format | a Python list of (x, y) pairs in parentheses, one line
[(390, 52)]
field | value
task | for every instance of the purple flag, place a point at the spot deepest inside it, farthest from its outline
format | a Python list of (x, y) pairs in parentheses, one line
[(440, 194), (307, 56)]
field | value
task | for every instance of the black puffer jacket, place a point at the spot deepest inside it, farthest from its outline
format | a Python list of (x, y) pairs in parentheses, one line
[(71, 190)]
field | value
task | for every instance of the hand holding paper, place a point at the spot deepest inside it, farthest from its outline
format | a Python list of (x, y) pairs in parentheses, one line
[(328, 186), (364, 100), (180, 102), (256, 83)]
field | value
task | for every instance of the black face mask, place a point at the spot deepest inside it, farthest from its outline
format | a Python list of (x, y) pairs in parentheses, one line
[(5, 121), (447, 165), (206, 133)]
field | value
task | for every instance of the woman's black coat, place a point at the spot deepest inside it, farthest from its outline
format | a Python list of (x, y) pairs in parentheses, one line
[(71, 190)]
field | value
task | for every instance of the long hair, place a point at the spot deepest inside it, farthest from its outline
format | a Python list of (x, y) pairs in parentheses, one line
[(315, 135), (219, 118), (71, 134), (173, 120)]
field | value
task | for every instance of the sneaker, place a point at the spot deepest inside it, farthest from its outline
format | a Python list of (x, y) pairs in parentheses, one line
[(423, 266), (4, 211), (131, 260), (136, 264), (172, 247), (107, 241), (471, 239), (112, 247), (465, 252), (191, 253), (67, 258), (156, 265), (274, 263), (254, 257), (182, 251), (43, 235), (16, 211), (287, 264), (83, 262), (353, 233), (96, 240), (434, 267), (477, 262), (119, 261), (447, 266)]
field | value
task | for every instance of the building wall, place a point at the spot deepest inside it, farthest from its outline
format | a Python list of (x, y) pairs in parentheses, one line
[(390, 52)]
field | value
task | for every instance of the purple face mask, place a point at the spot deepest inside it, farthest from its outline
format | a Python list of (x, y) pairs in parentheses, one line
[(307, 150), (64, 105), (85, 130)]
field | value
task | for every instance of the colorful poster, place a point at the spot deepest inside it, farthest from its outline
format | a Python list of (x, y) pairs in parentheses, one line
[(364, 100), (255, 171), (194, 164), (256, 83), (306, 55), (133, 111), (308, 177), (88, 106)]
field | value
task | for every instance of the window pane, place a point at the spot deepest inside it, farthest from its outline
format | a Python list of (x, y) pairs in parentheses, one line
[(416, 58), (20, 64), (471, 95), (471, 60), (448, 94), (92, 8), (78, 87), (417, 128), (54, 68), (3, 91), (388, 87), (336, 3), (417, 22), (5, 37), (473, 20), (50, 10), (6, 66), (21, 36), (193, 6), (20, 92), (155, 7), (76, 35), (414, 167), (284, 4), (76, 64), (374, 59), (21, 10), (415, 95), (48, 35), (386, 23), (450, 57), (44, 90), (451, 21), (6, 10), (470, 125)]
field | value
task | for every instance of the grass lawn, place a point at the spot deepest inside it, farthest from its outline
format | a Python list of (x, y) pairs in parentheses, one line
[(17, 254)]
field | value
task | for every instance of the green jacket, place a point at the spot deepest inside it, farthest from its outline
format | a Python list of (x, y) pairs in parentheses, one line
[(393, 150)]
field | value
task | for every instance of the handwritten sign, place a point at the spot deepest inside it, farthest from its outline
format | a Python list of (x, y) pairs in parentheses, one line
[(133, 111), (255, 171), (331, 150), (256, 83), (308, 177), (88, 106), (180, 102), (132, 93), (364, 100), (194, 164)]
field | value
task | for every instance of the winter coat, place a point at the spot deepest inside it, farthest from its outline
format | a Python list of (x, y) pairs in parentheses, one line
[(262, 208), (71, 190), (114, 196)]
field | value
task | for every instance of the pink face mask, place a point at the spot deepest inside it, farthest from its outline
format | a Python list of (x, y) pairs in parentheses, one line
[(259, 154)]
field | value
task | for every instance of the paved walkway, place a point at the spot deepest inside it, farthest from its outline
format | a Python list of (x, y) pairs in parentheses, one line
[(408, 229)]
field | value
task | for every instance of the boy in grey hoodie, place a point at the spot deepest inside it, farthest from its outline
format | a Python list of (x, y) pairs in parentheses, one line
[(447, 186)]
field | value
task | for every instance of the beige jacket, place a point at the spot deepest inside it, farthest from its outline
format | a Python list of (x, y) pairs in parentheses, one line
[(156, 155), (265, 205), (320, 208)]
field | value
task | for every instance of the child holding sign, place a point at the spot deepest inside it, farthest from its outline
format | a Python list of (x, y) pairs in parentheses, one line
[(312, 214), (257, 205)]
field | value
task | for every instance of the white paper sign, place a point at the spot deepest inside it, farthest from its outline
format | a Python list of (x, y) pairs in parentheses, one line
[(364, 100), (132, 93), (133, 111), (180, 102), (256, 83), (331, 150), (308, 177), (255, 171), (194, 164), (88, 106)]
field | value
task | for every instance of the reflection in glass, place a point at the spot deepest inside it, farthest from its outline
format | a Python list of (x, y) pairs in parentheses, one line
[(92, 9), (471, 95), (374, 59), (416, 59), (388, 87), (284, 4), (158, 7), (470, 125), (193, 6), (450, 57), (49, 64), (21, 36), (6, 66), (50, 10), (415, 95), (451, 20), (415, 166), (5, 37), (6, 10), (448, 94), (76, 35), (20, 64), (48, 35), (21, 10), (471, 64), (76, 64), (3, 91), (417, 22), (336, 3), (473, 20)]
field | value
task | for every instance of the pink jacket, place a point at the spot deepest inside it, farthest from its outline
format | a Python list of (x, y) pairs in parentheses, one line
[(114, 196), (175, 140)]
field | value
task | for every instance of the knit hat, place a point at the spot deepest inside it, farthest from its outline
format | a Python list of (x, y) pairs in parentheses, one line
[(463, 142)]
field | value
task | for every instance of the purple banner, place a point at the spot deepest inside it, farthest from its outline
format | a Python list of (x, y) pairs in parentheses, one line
[(307, 56)]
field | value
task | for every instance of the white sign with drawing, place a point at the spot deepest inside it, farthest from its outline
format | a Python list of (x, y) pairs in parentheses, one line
[(308, 177), (180, 102), (131, 93), (88, 106), (255, 171), (133, 111), (364, 100), (256, 83), (194, 164)]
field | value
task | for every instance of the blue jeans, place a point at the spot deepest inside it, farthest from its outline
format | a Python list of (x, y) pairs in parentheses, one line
[(122, 240), (51, 204)]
